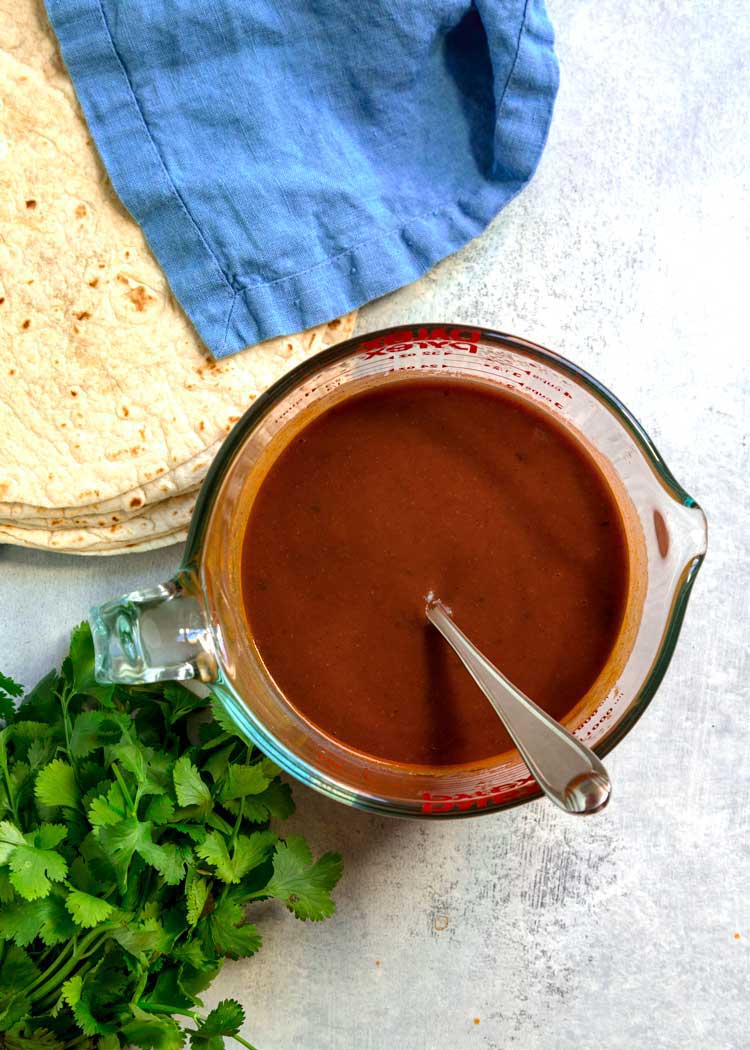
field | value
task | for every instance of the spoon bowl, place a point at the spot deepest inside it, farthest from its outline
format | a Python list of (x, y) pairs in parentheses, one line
[(567, 771)]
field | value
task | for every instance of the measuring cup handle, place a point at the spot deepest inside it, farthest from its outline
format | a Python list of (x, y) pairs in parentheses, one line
[(153, 635)]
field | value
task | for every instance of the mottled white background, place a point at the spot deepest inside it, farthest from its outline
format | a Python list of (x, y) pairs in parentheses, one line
[(630, 253)]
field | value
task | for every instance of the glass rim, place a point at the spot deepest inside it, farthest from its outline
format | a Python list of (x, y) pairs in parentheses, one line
[(305, 369)]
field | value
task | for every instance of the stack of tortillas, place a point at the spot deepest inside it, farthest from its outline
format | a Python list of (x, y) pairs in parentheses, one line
[(111, 409)]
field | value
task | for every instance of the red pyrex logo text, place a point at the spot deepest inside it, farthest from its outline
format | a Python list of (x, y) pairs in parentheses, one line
[(420, 338)]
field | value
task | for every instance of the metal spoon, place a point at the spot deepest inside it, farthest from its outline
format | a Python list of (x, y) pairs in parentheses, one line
[(567, 771)]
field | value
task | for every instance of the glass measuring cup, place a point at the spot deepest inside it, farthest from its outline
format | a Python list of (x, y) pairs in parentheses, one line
[(193, 626)]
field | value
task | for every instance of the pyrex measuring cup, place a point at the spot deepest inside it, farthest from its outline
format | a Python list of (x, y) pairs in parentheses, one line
[(193, 626)]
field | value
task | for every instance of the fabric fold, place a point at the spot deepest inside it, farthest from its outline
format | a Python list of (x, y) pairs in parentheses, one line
[(288, 164)]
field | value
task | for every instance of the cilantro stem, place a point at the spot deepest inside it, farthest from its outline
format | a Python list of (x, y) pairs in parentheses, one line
[(45, 1005), (123, 787), (50, 982), (244, 1042), (64, 701), (61, 958), (163, 1008), (9, 786), (158, 1008), (238, 821)]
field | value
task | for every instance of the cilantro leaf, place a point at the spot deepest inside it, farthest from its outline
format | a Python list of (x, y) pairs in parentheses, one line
[(8, 691), (7, 707), (190, 788), (244, 780), (120, 841), (39, 753), (169, 860), (225, 931), (21, 922), (56, 784), (303, 886), (225, 720), (167, 991), (10, 838), (93, 729), (86, 909), (197, 895), (160, 809), (41, 704), (39, 1039), (275, 801), (154, 1033), (81, 666), (139, 938), (7, 892), (57, 925), (7, 685), (217, 764), (225, 1019), (108, 809), (181, 700), (47, 836), (32, 871), (248, 852), (214, 850), (17, 971), (131, 836), (121, 911)]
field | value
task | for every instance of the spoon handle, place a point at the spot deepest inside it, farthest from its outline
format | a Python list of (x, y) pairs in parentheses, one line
[(567, 771)]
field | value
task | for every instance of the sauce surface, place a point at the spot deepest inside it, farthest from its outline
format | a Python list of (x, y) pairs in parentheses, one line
[(436, 485)]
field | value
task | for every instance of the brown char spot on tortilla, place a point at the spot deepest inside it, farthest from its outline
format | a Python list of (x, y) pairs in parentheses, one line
[(93, 282), (31, 203), (139, 297), (136, 501), (80, 211), (83, 315), (26, 324)]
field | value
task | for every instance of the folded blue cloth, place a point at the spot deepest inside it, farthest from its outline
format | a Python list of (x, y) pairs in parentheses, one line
[(291, 161)]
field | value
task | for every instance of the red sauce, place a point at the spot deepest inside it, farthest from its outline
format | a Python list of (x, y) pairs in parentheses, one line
[(436, 485)]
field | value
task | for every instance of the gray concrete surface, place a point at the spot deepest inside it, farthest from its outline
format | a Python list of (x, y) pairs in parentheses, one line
[(630, 253)]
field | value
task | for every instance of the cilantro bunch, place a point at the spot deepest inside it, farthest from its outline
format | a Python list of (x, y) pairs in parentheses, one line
[(133, 834)]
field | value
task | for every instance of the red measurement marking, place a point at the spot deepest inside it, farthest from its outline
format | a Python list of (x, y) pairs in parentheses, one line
[(460, 801)]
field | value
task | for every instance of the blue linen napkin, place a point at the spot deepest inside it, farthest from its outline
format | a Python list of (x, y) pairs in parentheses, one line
[(291, 161)]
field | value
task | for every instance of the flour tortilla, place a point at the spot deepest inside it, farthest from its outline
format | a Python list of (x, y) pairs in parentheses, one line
[(88, 521), (136, 547), (106, 392), (183, 478), (169, 515)]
